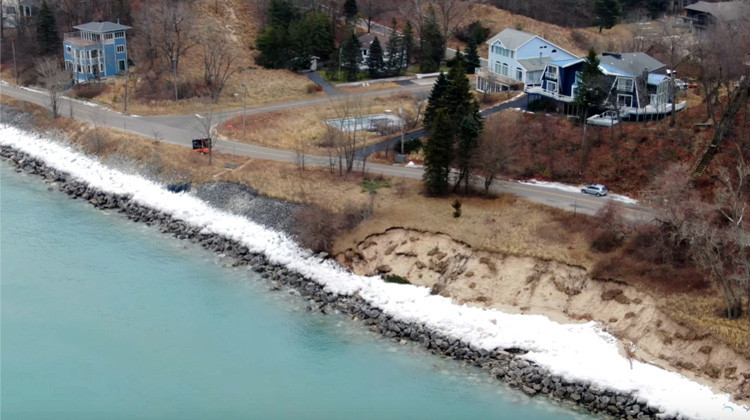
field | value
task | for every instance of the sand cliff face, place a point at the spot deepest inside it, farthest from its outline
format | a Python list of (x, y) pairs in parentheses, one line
[(563, 293)]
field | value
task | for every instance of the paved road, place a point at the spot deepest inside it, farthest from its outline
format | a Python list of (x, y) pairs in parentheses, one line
[(180, 130)]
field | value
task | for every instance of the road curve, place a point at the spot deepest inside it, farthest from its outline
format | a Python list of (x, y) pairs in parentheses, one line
[(181, 129)]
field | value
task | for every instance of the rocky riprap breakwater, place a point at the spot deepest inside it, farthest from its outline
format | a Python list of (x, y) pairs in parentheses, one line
[(507, 365)]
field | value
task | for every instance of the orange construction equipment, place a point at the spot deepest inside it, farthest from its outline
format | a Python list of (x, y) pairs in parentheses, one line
[(202, 146)]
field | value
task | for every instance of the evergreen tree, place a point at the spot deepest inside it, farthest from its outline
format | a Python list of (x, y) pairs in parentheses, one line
[(464, 112), (350, 9), (607, 13), (591, 92), (468, 142), (472, 57), (458, 98), (281, 13), (433, 43), (655, 7), (351, 57), (273, 45), (438, 154), (436, 100), (394, 52), (48, 40), (407, 43), (375, 64)]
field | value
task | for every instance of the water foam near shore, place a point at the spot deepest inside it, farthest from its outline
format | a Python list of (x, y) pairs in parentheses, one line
[(580, 352)]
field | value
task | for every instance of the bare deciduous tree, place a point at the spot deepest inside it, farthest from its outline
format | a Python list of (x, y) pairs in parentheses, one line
[(498, 144), (674, 42), (218, 59), (712, 233), (205, 126), (55, 79), (175, 25), (452, 13), (346, 136)]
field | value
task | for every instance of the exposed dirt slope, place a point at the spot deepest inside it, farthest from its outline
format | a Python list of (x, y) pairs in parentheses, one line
[(562, 292)]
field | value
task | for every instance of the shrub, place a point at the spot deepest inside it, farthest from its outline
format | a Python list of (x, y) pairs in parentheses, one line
[(312, 88), (475, 30), (315, 228), (393, 278), (89, 90), (410, 146), (456, 209), (580, 39)]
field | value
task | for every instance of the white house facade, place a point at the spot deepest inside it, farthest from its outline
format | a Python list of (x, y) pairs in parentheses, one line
[(522, 56)]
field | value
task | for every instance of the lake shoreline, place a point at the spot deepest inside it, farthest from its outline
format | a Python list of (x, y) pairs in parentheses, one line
[(504, 364)]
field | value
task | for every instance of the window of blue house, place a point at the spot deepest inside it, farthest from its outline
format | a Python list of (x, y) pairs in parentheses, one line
[(519, 73), (68, 48), (552, 72), (120, 48), (120, 34)]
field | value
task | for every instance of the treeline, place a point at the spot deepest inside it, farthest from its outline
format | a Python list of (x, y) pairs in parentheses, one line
[(577, 13), (294, 35)]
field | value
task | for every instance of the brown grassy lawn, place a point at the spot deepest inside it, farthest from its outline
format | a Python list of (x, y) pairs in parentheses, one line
[(286, 129), (368, 87), (263, 86), (498, 19)]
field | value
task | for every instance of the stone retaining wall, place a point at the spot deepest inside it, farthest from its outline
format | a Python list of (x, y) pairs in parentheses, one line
[(506, 365)]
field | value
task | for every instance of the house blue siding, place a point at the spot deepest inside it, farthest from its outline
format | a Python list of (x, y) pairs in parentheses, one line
[(98, 49), (537, 46), (517, 61), (565, 79)]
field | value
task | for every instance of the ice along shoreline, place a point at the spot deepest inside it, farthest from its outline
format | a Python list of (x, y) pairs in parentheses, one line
[(576, 364)]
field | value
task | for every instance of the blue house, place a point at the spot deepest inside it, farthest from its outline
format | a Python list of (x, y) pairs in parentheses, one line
[(637, 84), (521, 56), (97, 49)]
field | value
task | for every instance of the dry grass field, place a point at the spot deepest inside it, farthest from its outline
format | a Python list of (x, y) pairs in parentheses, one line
[(263, 86), (577, 41), (305, 127)]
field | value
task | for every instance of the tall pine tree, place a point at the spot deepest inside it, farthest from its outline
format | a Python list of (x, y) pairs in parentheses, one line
[(436, 100), (458, 135), (607, 13), (48, 41), (375, 64), (591, 92), (438, 154), (351, 57), (433, 43), (407, 42), (472, 57), (350, 9), (394, 52)]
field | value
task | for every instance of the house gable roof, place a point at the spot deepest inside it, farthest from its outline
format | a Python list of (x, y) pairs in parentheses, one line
[(368, 39), (101, 27), (566, 63), (725, 10), (511, 38), (630, 63), (514, 39), (534, 64)]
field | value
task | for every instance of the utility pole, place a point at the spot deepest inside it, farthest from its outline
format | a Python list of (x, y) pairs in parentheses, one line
[(403, 127), (244, 107), (15, 67)]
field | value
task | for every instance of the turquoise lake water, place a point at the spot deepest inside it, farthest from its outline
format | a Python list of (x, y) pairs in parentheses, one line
[(104, 318)]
